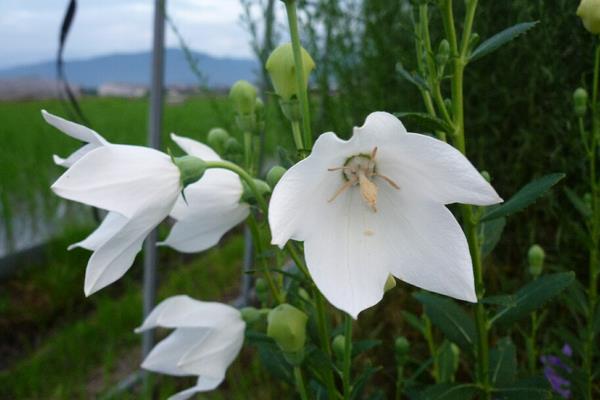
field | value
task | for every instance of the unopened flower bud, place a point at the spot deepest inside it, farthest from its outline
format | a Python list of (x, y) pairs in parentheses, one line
[(243, 97), (274, 175), (401, 348), (338, 345), (287, 326), (262, 290), (589, 12), (250, 314), (580, 98), (390, 283), (261, 186), (443, 53), (486, 176), (232, 146), (191, 169), (282, 70), (217, 137), (536, 256)]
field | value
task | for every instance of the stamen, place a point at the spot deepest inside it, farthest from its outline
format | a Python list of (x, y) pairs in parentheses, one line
[(368, 190), (342, 189), (388, 180)]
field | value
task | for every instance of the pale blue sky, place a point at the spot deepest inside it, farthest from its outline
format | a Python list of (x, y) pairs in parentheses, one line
[(29, 28)]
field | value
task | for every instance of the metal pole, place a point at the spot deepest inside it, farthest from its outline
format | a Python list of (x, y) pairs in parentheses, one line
[(154, 127)]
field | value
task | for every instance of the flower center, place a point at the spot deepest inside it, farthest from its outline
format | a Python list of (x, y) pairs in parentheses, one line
[(361, 170)]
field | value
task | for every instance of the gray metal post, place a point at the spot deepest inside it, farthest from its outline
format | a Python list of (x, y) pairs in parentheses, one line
[(154, 127)]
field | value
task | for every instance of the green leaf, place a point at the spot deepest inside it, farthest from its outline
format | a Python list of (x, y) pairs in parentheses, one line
[(415, 79), (453, 321), (447, 359), (492, 232), (535, 388), (500, 39), (359, 383), (360, 346), (449, 391), (499, 300), (414, 321), (424, 121), (524, 197), (578, 203), (503, 363), (533, 295)]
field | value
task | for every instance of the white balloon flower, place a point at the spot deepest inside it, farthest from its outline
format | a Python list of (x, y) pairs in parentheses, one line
[(211, 206), (374, 205), (207, 338)]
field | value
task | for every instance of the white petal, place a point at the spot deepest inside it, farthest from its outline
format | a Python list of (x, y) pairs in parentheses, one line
[(345, 253), (74, 130), (74, 157), (164, 357), (116, 255), (195, 148), (183, 311), (204, 384), (112, 223), (125, 179), (425, 245), (204, 229), (434, 169), (380, 124)]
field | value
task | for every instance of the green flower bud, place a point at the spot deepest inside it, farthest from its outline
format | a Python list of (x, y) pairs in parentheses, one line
[(262, 290), (262, 187), (243, 97), (282, 69), (486, 176), (580, 99), (303, 294), (443, 53), (251, 314), (287, 326), (536, 256), (232, 146), (217, 137), (589, 12), (338, 345), (191, 169), (401, 348), (274, 175), (390, 283)]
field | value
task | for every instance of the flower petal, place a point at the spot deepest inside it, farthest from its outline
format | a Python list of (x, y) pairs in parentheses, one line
[(425, 245), (204, 384), (183, 311), (195, 148), (204, 229), (74, 130), (380, 124), (434, 169), (345, 254), (112, 223), (121, 178), (165, 356), (75, 156)]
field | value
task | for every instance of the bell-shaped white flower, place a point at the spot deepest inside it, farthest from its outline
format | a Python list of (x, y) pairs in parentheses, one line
[(91, 138), (138, 186), (211, 207), (375, 205), (207, 338)]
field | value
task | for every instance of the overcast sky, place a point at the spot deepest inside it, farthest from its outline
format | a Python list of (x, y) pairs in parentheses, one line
[(29, 28)]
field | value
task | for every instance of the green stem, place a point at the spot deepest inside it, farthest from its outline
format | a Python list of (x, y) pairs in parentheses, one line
[(431, 347), (399, 382), (290, 6), (297, 137), (347, 356), (530, 343), (248, 151), (300, 383)]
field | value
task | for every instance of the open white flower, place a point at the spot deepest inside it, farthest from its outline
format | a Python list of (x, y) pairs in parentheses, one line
[(92, 139), (375, 205), (211, 207), (138, 186), (207, 338)]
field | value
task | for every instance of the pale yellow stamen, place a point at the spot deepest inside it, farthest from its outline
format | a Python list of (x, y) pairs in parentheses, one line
[(368, 190)]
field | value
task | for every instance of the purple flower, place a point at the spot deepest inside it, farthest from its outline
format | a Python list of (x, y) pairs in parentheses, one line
[(555, 369)]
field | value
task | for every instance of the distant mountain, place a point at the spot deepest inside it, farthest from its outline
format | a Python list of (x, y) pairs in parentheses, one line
[(134, 68)]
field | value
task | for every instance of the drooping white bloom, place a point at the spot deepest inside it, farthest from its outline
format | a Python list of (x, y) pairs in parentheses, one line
[(207, 338), (211, 207), (92, 139), (375, 205), (138, 186)]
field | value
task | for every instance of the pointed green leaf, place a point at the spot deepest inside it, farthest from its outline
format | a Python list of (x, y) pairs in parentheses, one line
[(578, 203), (414, 321), (447, 360), (524, 197), (533, 295), (453, 321), (415, 79), (492, 232), (500, 39), (449, 391), (503, 363), (536, 388), (424, 121)]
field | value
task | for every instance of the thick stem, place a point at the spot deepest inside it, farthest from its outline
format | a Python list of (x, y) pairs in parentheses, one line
[(347, 356), (248, 151), (290, 6), (297, 137), (300, 383)]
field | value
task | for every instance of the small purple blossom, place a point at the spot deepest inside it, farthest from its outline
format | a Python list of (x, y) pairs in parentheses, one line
[(555, 369)]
